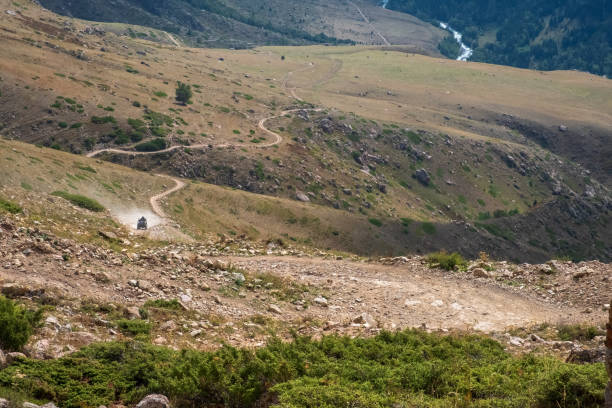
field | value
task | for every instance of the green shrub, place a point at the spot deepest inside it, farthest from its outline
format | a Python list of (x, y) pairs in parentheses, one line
[(136, 136), (446, 261), (428, 228), (573, 332), (164, 304), (151, 146), (375, 221), (16, 324), (76, 125), (160, 94), (136, 124), (136, 104), (10, 206), (158, 119), (120, 137), (63, 125), (409, 368), (484, 215), (85, 168), (159, 131), (100, 120), (497, 230), (80, 201), (134, 327)]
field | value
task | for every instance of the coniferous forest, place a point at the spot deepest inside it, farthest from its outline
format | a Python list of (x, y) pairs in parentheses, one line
[(541, 34)]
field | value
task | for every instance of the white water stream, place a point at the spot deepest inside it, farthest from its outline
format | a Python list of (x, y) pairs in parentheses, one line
[(466, 52)]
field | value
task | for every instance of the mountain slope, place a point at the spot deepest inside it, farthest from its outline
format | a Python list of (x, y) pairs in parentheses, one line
[(241, 24), (542, 34)]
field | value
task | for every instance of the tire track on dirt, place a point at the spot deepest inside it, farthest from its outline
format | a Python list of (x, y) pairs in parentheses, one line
[(367, 20)]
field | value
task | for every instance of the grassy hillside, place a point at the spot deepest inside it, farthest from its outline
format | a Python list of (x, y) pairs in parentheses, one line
[(405, 152)]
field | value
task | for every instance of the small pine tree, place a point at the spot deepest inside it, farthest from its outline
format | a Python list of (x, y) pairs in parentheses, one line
[(183, 92), (16, 324)]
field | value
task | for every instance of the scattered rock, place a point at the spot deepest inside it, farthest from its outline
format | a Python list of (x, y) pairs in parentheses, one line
[(581, 273), (330, 325), (516, 341), (536, 339), (274, 309), (301, 196), (321, 301), (366, 320), (4, 403), (132, 313), (579, 355), (562, 128), (480, 273), (170, 325), (111, 236), (238, 278), (422, 177), (154, 401), (546, 269)]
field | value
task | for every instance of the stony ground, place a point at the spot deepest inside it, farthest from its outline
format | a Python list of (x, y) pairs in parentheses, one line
[(237, 292)]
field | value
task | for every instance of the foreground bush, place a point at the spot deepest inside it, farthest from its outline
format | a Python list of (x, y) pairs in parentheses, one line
[(407, 369), (17, 324), (80, 201), (152, 145), (10, 206), (446, 261)]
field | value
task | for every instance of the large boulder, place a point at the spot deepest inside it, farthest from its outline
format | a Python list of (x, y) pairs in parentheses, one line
[(154, 401), (301, 196), (587, 356), (14, 356), (422, 177)]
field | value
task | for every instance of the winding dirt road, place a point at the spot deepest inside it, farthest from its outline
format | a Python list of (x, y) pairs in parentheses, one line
[(155, 200), (277, 139)]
